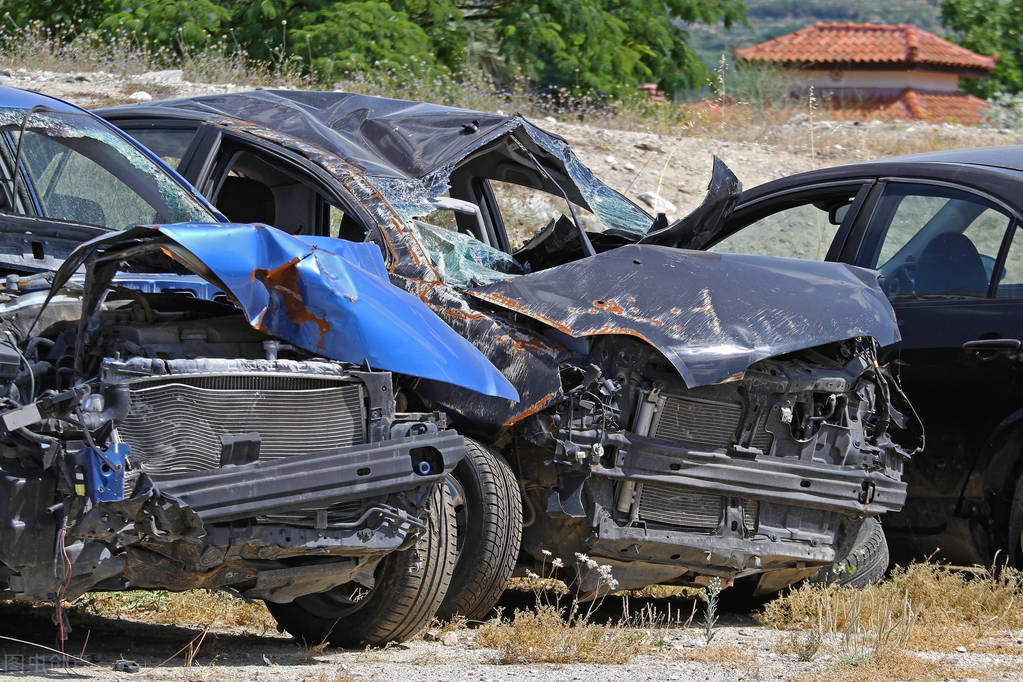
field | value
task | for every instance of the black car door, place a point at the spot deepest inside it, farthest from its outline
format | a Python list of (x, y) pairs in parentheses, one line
[(951, 263)]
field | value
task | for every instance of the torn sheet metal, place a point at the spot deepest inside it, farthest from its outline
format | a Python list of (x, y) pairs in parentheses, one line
[(711, 315), (327, 296), (694, 231)]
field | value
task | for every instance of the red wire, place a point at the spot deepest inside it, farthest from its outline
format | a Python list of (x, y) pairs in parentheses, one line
[(60, 597)]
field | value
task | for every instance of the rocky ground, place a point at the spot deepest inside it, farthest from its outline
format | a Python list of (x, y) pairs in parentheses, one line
[(675, 167), (740, 650)]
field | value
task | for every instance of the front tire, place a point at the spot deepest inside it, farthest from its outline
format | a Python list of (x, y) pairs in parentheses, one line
[(489, 533), (409, 586), (868, 558)]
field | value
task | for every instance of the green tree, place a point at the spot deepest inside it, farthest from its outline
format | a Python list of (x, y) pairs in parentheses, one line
[(989, 27), (608, 45)]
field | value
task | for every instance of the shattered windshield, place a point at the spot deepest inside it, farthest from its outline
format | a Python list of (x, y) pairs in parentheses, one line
[(73, 168), (611, 208), (462, 260)]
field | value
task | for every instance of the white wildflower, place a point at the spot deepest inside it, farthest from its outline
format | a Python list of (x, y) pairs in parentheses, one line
[(545, 552), (532, 576), (557, 563)]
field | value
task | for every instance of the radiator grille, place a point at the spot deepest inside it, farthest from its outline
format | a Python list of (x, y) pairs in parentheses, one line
[(175, 423), (679, 507), (675, 506), (705, 422)]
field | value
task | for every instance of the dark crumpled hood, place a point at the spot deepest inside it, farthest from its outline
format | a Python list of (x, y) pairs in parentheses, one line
[(328, 296), (711, 315)]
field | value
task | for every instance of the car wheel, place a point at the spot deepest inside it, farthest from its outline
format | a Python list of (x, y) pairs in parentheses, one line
[(1016, 525), (408, 587), (868, 560), (488, 507)]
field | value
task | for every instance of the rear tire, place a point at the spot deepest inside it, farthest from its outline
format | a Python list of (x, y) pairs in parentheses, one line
[(1016, 526), (489, 533), (868, 559), (404, 598)]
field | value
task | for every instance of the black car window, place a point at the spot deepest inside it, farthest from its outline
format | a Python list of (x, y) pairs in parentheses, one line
[(935, 242), (1010, 280), (803, 230), (170, 144)]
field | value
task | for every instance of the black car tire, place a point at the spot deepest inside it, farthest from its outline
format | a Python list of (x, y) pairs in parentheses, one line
[(489, 533), (868, 558), (1016, 525), (409, 587)]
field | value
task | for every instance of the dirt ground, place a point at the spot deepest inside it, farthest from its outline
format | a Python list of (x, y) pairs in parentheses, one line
[(675, 166), (741, 650)]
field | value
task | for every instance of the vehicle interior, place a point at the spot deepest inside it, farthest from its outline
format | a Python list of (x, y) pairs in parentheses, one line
[(953, 254)]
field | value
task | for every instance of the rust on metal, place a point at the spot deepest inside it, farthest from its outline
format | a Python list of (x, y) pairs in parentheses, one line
[(284, 281)]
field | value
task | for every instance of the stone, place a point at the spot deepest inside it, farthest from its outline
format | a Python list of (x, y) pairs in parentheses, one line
[(656, 202), (140, 96)]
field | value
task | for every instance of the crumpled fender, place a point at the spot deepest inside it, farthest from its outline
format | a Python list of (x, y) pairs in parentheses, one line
[(711, 315), (329, 296)]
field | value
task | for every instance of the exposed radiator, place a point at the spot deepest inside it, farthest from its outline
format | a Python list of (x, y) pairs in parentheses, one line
[(175, 422), (675, 506), (705, 422)]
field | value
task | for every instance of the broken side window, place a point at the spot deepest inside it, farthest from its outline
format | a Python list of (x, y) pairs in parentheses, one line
[(73, 168)]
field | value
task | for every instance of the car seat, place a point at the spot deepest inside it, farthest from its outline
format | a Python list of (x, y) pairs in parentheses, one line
[(244, 200), (951, 263)]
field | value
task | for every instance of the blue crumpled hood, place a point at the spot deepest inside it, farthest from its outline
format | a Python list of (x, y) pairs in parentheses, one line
[(328, 296)]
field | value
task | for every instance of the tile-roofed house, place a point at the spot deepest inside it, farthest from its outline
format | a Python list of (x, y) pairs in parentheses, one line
[(895, 71)]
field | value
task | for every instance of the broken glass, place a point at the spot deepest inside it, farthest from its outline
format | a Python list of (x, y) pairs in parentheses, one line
[(464, 261)]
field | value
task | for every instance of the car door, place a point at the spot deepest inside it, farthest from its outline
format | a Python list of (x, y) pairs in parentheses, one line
[(951, 263)]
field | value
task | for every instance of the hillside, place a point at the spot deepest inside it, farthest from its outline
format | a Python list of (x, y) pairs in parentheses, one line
[(771, 18)]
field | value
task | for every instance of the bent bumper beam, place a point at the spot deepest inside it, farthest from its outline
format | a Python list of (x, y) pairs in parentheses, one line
[(317, 479), (794, 482)]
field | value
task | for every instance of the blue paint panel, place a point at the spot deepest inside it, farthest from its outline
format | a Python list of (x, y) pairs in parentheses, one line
[(328, 296)]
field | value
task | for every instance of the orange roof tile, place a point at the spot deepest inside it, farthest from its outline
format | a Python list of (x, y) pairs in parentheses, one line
[(840, 43)]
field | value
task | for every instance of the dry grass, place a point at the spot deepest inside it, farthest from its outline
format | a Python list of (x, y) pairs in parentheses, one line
[(544, 636), (923, 607), (197, 607)]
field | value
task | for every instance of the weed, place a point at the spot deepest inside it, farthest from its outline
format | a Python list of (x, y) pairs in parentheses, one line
[(710, 596), (544, 636), (557, 633), (196, 607), (923, 606)]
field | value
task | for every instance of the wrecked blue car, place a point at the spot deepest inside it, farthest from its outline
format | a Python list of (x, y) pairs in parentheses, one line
[(188, 403)]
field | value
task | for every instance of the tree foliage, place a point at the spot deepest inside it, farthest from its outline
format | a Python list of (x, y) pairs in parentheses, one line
[(989, 27), (605, 46)]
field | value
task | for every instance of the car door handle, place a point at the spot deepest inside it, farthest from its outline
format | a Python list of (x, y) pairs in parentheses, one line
[(993, 345)]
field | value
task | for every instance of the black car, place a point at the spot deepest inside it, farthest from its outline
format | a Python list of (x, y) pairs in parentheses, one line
[(943, 230), (672, 425)]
